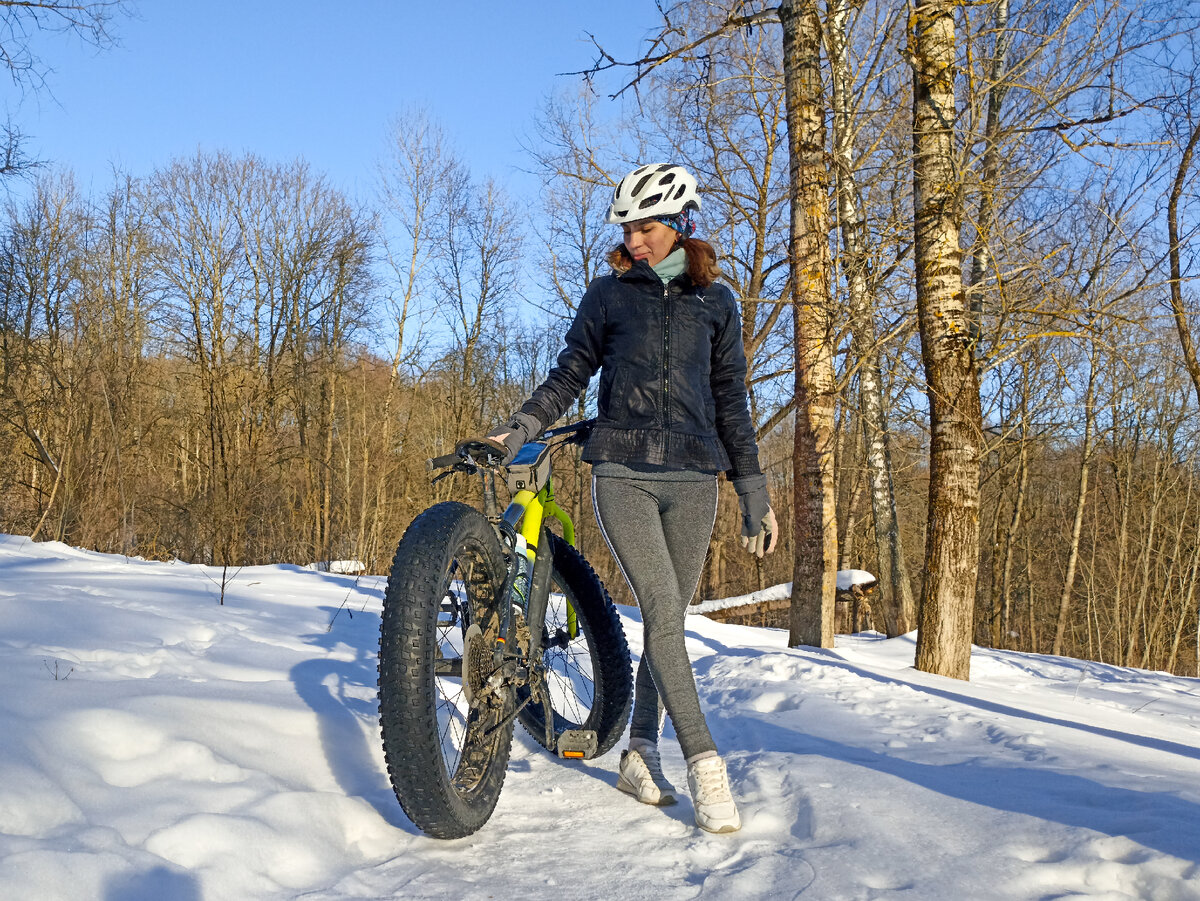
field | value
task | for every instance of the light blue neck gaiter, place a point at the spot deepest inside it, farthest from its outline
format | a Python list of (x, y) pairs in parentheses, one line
[(671, 265)]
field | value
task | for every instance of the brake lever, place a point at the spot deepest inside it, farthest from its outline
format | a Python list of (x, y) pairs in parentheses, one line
[(441, 475), (463, 458)]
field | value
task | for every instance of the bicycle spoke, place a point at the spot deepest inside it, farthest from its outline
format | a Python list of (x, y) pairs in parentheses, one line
[(569, 671), (451, 705)]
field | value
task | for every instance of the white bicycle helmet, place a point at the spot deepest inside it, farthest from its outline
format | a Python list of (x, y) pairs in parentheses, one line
[(652, 192)]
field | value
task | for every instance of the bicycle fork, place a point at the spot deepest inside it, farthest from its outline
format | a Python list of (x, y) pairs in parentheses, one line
[(527, 510)]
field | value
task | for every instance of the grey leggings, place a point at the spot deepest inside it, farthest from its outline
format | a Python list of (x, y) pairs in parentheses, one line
[(658, 531)]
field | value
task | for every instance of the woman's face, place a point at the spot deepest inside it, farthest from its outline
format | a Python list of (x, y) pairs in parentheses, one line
[(649, 240)]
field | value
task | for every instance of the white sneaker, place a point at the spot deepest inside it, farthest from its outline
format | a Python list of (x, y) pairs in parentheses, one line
[(709, 784), (641, 775)]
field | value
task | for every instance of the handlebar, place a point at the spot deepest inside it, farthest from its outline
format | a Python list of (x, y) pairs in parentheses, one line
[(469, 454), (576, 432), (472, 453)]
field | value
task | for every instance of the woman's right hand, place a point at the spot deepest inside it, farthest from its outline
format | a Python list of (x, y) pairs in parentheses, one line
[(510, 438), (514, 433)]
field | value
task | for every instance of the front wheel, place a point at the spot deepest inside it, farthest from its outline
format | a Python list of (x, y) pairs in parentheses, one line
[(588, 674), (446, 730)]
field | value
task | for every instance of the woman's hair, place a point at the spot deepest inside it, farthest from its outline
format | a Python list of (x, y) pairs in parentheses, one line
[(702, 266)]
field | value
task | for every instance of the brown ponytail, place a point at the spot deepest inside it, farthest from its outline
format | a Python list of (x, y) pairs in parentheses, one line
[(702, 266)]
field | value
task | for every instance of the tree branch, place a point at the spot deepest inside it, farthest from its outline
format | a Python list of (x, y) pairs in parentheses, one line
[(652, 61)]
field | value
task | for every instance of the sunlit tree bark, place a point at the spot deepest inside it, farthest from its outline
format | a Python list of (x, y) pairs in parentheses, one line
[(814, 580), (952, 543)]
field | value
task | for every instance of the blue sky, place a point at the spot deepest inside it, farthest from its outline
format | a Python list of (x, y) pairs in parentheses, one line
[(314, 79)]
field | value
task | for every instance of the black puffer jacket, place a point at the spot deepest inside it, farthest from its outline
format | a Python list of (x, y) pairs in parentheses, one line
[(672, 386)]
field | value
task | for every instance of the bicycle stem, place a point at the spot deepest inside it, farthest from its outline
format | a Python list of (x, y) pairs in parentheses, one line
[(491, 508)]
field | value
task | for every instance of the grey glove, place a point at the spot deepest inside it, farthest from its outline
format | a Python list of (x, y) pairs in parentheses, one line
[(515, 433), (759, 529)]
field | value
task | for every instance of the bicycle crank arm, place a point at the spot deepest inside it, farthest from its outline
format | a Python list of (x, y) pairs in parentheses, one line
[(577, 744)]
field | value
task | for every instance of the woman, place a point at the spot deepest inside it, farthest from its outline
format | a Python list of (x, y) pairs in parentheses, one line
[(672, 414)]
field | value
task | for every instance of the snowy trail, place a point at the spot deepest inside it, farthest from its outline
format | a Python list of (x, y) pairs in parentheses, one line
[(189, 750)]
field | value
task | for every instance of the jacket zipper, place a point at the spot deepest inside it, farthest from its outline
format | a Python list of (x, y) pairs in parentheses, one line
[(667, 371)]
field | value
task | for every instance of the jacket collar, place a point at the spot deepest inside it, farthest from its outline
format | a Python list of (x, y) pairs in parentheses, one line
[(641, 271)]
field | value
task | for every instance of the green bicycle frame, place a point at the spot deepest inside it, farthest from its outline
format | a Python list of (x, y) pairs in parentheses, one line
[(529, 510)]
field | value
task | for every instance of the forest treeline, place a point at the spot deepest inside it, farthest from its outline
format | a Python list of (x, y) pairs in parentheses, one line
[(228, 360)]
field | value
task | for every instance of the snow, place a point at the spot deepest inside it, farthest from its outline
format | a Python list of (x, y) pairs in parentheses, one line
[(848, 578), (342, 567), (774, 593), (189, 750)]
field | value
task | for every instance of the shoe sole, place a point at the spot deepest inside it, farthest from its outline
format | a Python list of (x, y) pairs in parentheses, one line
[(663, 800), (723, 830)]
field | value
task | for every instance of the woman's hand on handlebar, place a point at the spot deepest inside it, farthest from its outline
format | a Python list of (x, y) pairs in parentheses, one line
[(514, 433), (509, 439)]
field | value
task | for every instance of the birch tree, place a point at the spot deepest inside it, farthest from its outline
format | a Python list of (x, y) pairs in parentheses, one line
[(896, 586), (947, 599)]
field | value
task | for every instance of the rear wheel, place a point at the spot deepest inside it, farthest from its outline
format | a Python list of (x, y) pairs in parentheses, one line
[(445, 739), (589, 678)]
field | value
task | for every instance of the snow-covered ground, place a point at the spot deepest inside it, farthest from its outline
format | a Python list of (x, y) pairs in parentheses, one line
[(155, 744)]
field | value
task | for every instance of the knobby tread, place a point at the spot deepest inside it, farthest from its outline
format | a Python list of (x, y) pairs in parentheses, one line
[(601, 627), (408, 695)]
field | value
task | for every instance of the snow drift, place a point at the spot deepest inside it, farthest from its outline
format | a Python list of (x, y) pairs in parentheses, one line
[(155, 744)]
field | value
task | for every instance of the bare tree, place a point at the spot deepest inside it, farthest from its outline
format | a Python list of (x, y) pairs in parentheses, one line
[(1084, 473), (38, 299), (1174, 242), (412, 175), (899, 606), (114, 273), (815, 511), (814, 494), (952, 543), (475, 274), (20, 22)]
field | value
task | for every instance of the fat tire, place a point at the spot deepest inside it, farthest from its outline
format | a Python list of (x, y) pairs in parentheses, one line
[(440, 803), (604, 640)]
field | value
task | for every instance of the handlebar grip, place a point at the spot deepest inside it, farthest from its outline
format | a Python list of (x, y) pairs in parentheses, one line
[(441, 462)]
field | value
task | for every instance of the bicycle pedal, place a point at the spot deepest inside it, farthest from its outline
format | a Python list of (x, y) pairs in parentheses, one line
[(577, 744)]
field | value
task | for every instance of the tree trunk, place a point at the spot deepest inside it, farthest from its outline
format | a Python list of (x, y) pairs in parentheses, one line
[(1085, 452), (952, 543), (1146, 584), (1167, 573), (1123, 483), (981, 258), (846, 555), (1185, 334), (898, 605), (1010, 540), (814, 580), (1186, 611), (991, 602)]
